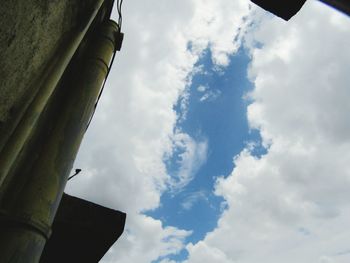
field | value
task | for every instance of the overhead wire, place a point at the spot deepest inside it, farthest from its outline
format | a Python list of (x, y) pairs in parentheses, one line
[(119, 8), (120, 21), (76, 173)]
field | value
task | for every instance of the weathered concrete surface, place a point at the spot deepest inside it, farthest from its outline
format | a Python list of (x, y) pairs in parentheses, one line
[(38, 66), (30, 33)]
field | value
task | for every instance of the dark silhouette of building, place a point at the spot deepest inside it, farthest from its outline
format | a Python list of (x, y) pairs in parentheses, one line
[(54, 59), (288, 8)]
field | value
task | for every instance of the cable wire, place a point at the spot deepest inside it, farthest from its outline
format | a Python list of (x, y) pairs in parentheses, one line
[(120, 21), (76, 173), (119, 8)]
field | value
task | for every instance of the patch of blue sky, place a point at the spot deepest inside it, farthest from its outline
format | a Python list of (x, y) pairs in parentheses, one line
[(217, 113)]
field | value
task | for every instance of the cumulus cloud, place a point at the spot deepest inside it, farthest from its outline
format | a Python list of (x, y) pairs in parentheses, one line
[(146, 240), (291, 204), (123, 153), (216, 24)]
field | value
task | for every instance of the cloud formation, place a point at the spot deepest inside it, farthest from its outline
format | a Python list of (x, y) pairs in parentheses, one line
[(191, 155), (134, 128), (194, 198), (291, 204)]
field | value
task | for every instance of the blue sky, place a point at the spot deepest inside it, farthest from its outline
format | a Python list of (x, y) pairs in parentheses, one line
[(221, 121), (170, 142)]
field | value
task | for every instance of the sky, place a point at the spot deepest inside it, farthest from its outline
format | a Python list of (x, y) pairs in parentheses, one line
[(224, 134)]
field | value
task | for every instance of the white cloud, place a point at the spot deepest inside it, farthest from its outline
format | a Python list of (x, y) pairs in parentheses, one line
[(202, 88), (193, 198), (134, 126), (191, 157), (217, 23), (292, 204), (167, 261), (210, 95), (146, 240), (201, 252)]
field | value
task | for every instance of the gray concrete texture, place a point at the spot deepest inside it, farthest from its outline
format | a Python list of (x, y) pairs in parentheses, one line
[(31, 32)]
